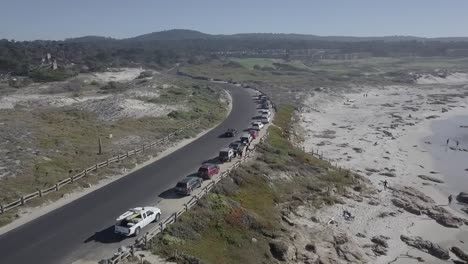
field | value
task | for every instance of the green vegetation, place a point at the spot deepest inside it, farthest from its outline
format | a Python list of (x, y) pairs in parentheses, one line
[(49, 75), (248, 205), (66, 140)]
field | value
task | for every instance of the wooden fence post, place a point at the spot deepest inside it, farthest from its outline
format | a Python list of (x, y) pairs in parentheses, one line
[(186, 207), (57, 187), (175, 217), (71, 179), (118, 157), (2, 209), (161, 226), (22, 200), (40, 192)]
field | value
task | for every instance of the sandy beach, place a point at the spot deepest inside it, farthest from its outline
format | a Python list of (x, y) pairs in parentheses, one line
[(397, 134)]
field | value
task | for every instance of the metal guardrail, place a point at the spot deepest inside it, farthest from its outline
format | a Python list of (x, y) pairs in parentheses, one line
[(41, 192)]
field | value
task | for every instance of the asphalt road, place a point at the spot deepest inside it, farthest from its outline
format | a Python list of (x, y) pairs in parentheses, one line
[(70, 232)]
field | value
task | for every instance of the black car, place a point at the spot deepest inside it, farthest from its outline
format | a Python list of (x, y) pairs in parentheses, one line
[(230, 132), (236, 146), (187, 185)]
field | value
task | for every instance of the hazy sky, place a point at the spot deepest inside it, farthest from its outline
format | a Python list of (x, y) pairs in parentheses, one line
[(59, 19)]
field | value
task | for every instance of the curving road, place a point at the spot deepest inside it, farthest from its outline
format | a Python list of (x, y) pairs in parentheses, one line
[(69, 233)]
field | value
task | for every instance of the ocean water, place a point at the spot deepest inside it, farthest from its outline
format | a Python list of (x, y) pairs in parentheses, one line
[(450, 160)]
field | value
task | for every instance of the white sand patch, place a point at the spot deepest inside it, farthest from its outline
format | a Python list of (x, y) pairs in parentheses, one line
[(450, 79), (117, 107), (384, 131), (118, 75)]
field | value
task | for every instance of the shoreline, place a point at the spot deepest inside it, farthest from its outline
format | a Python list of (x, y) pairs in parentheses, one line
[(383, 135)]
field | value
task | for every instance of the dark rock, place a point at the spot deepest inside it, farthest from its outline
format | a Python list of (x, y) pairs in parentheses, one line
[(360, 235), (432, 116), (372, 170), (429, 178), (459, 253), (411, 208), (462, 197), (310, 247), (444, 217), (287, 220), (388, 174), (340, 238), (380, 240), (279, 250), (426, 246), (358, 150)]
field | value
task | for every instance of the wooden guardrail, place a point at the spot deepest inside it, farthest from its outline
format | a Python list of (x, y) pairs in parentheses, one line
[(145, 240), (41, 192)]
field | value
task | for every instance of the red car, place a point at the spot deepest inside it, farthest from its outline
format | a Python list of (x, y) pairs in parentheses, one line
[(254, 133), (206, 171)]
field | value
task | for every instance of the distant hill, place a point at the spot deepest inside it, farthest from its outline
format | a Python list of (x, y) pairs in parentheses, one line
[(174, 34), (185, 34), (89, 39)]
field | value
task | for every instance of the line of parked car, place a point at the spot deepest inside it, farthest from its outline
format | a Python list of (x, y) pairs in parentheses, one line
[(132, 221)]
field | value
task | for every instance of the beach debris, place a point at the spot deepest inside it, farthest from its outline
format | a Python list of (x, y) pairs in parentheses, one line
[(426, 246), (462, 197), (444, 110), (459, 253), (429, 178)]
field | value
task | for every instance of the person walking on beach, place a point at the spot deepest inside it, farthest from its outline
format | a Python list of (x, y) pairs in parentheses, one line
[(385, 183), (448, 140), (458, 143), (450, 197)]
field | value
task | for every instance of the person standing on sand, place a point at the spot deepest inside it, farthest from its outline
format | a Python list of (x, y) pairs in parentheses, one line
[(450, 197), (385, 183), (448, 140), (458, 143)]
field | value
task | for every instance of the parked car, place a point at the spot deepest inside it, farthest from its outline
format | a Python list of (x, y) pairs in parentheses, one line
[(236, 145), (226, 154), (265, 112), (266, 106), (254, 133), (265, 119), (187, 185), (231, 132), (246, 138), (257, 126), (207, 170), (132, 221)]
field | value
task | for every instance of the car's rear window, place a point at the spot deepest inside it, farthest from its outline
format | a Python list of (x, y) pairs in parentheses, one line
[(181, 184)]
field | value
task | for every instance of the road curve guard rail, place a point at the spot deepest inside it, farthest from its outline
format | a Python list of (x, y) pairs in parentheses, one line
[(41, 192), (146, 240)]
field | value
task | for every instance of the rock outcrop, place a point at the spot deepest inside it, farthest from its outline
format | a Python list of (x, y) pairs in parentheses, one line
[(459, 253), (429, 178), (462, 197), (426, 246)]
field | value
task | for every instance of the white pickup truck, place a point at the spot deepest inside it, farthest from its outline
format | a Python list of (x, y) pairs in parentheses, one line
[(132, 221)]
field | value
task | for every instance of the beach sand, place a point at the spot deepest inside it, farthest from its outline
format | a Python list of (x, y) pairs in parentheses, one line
[(394, 134)]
